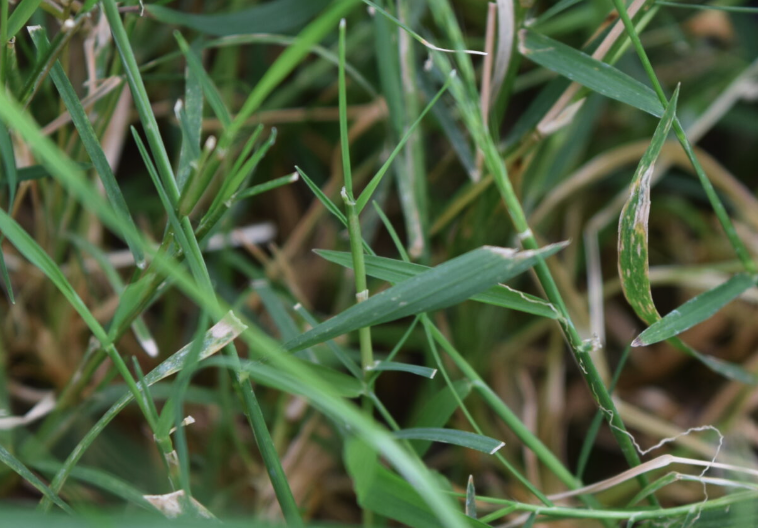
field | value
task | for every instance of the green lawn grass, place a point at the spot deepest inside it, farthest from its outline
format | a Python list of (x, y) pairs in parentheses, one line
[(352, 262)]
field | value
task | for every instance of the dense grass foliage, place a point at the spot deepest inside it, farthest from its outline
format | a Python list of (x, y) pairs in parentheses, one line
[(351, 262)]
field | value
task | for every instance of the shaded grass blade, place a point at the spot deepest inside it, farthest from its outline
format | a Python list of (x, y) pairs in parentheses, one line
[(474, 441), (445, 285), (271, 17), (695, 310), (15, 464), (396, 271), (585, 70), (418, 370), (91, 144)]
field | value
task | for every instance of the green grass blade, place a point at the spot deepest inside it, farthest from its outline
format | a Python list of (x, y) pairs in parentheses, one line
[(29, 248), (707, 7), (221, 334), (15, 464), (91, 144), (323, 198), (471, 498), (190, 115), (585, 70), (278, 16), (11, 176), (21, 15), (633, 235), (141, 101), (209, 89), (418, 370), (438, 409), (695, 311), (365, 195), (474, 441), (396, 271), (261, 188), (445, 285)]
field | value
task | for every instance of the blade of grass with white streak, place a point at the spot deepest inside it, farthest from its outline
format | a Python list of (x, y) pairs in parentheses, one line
[(396, 271), (695, 310), (89, 140), (445, 285), (633, 249), (474, 441)]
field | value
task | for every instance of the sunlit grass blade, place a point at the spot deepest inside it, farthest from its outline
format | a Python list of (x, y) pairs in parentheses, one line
[(418, 370), (453, 436), (585, 70), (439, 287), (695, 311), (12, 462), (209, 89), (91, 143), (396, 271)]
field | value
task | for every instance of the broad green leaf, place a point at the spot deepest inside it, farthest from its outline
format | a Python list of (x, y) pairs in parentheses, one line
[(91, 144), (440, 287), (15, 464), (633, 250), (695, 310), (585, 70), (475, 441), (633, 225), (278, 16), (381, 491), (418, 370), (397, 271)]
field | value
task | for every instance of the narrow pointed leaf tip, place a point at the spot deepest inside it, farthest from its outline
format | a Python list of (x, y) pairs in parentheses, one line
[(695, 310), (445, 285), (478, 442)]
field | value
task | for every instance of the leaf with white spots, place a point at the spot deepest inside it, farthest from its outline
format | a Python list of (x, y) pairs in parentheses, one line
[(634, 270), (445, 285), (633, 236)]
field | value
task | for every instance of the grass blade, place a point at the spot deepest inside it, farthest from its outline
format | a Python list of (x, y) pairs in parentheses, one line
[(633, 236), (418, 370), (209, 89), (21, 15), (279, 16), (445, 285), (594, 74), (471, 498), (91, 144), (15, 464), (396, 271), (695, 311), (474, 441)]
